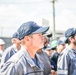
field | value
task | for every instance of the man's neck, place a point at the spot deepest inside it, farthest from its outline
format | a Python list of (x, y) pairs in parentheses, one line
[(31, 51), (18, 46), (73, 46), (40, 50)]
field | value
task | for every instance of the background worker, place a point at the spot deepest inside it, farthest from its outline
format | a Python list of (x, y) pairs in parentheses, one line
[(67, 60), (44, 58), (2, 43), (59, 47), (11, 50)]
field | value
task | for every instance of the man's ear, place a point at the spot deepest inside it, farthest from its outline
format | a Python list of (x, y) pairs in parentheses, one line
[(27, 38), (71, 38), (13, 40)]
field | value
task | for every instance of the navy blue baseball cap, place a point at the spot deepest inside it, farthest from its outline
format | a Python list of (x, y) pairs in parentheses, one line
[(15, 35), (61, 40), (30, 28), (70, 32)]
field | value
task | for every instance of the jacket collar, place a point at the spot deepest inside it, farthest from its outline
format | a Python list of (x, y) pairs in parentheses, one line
[(30, 61)]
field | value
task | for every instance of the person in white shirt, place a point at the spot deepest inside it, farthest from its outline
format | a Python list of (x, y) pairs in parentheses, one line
[(2, 43)]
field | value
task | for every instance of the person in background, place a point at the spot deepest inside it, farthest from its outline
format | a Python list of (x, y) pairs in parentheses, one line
[(59, 46), (47, 50), (54, 56), (14, 48), (26, 61), (67, 60), (2, 43), (44, 58)]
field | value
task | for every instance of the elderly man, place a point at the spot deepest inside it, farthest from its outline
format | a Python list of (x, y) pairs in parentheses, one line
[(67, 60), (25, 61)]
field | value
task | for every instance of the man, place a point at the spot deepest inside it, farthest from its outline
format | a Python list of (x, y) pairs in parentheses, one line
[(60, 45), (25, 61), (2, 43), (12, 49), (44, 58), (48, 52), (54, 55), (67, 60)]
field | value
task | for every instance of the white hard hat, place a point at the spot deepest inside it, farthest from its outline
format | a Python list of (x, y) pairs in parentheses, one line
[(1, 41)]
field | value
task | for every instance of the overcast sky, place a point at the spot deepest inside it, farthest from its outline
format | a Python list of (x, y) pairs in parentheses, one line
[(15, 12)]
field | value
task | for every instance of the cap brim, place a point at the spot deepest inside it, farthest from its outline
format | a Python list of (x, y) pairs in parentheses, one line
[(47, 48), (66, 41), (60, 42), (42, 30), (48, 35), (53, 48)]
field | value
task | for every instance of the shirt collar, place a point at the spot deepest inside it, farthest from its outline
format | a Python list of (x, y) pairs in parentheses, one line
[(72, 49), (15, 48)]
